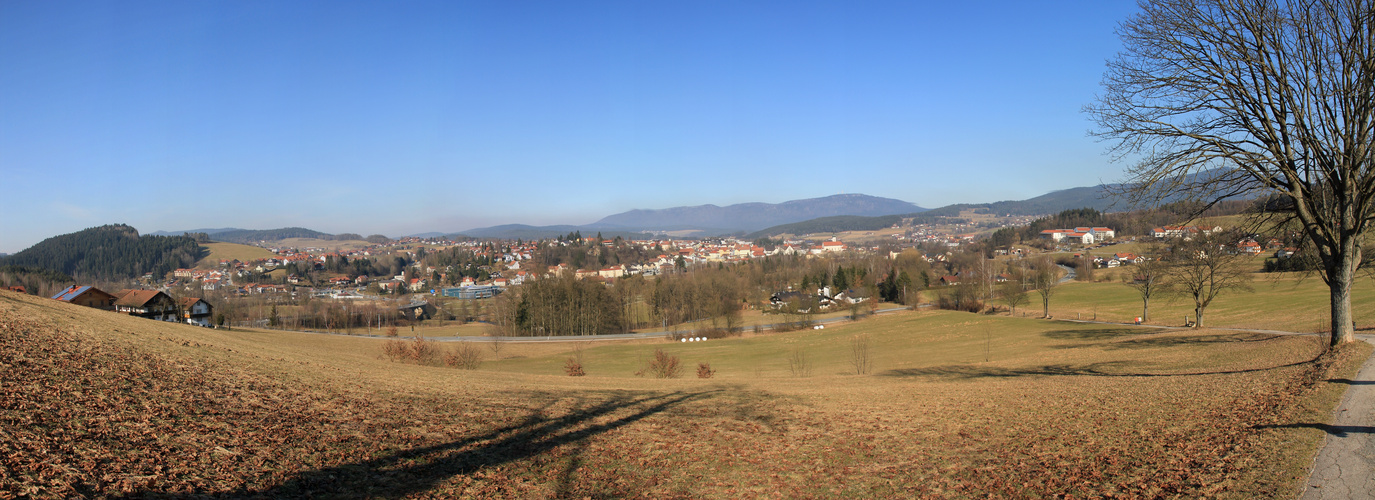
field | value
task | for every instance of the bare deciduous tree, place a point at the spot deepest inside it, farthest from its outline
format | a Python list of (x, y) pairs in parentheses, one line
[(1226, 97), (1012, 294), (1150, 279), (859, 354), (1045, 276), (1206, 266)]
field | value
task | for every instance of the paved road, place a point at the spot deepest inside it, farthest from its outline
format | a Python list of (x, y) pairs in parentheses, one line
[(1345, 466), (1069, 274)]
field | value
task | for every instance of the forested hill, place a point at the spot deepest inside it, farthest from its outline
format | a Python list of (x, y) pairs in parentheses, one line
[(248, 236), (109, 252), (837, 224)]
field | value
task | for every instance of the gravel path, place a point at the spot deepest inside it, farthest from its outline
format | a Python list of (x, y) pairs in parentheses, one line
[(1345, 466)]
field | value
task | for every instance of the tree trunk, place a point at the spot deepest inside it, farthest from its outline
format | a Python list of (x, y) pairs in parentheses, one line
[(1339, 286), (1198, 317), (1145, 309)]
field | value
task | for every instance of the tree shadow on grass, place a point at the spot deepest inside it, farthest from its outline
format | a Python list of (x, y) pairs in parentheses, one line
[(1142, 341), (1348, 381), (1100, 369), (1189, 340), (1100, 333), (1335, 430), (417, 470)]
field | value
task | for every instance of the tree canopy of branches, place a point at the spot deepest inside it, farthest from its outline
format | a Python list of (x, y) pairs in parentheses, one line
[(1226, 97), (1044, 276), (1207, 266), (560, 306), (1150, 279)]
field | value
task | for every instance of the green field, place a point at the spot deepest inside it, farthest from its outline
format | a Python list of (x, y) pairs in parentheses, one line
[(955, 405), (1281, 302)]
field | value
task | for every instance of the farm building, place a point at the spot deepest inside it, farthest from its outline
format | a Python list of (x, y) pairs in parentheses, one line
[(88, 296)]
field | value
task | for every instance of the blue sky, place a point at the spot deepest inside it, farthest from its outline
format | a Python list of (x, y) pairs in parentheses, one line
[(406, 117)]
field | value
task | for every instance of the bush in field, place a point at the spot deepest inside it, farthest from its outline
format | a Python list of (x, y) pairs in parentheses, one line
[(799, 365), (573, 367), (704, 370), (466, 356), (424, 351), (395, 349), (662, 366), (859, 354), (391, 331), (419, 350)]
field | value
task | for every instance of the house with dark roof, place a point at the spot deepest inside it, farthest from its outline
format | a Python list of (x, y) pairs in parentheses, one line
[(196, 311), (150, 304), (88, 296)]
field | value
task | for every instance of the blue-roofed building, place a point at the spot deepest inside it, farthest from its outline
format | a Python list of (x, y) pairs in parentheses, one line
[(88, 296), (473, 292)]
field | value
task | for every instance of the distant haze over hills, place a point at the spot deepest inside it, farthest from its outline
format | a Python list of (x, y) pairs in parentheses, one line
[(753, 216), (840, 210), (711, 220)]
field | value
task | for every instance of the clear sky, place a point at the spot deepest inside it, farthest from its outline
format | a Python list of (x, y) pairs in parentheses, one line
[(407, 117)]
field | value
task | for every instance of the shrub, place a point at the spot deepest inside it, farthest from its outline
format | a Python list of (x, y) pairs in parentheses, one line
[(395, 349), (466, 356), (859, 354), (573, 367), (799, 365), (391, 331), (662, 366), (423, 351), (718, 333), (704, 370)]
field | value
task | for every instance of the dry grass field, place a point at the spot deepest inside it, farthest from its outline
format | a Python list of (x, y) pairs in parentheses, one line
[(956, 405), (231, 251)]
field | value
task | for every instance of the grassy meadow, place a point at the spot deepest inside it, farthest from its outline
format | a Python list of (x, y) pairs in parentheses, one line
[(231, 251), (954, 405)]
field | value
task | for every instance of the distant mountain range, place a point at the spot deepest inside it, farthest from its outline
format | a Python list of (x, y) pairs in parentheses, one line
[(754, 216), (843, 212), (712, 220)]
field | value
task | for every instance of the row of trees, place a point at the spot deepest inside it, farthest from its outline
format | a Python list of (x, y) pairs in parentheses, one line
[(1201, 268)]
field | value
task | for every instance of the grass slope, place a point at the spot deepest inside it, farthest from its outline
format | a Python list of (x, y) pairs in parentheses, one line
[(232, 251), (98, 404)]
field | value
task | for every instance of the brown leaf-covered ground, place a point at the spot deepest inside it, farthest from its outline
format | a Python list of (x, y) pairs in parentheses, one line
[(94, 404)]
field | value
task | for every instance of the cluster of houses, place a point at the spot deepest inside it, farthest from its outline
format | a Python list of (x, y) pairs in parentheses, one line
[(1081, 235), (151, 304), (825, 299), (1118, 259)]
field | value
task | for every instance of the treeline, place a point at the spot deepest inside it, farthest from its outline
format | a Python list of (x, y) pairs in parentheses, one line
[(566, 305), (835, 224), (36, 281), (560, 306), (109, 252), (1136, 223), (248, 236), (576, 253)]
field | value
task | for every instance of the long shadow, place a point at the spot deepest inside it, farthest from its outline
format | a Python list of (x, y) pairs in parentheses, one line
[(1335, 430), (1353, 382), (1182, 340), (417, 470), (1101, 369), (1145, 342), (1100, 333)]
